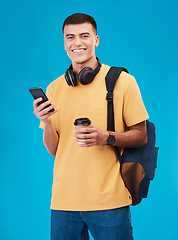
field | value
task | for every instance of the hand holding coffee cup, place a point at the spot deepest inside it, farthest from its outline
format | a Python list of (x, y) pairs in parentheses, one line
[(80, 124), (88, 135)]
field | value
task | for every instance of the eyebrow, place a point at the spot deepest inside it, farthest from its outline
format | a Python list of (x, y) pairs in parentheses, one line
[(70, 34), (85, 33)]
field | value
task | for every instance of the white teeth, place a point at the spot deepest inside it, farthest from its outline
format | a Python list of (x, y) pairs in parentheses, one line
[(78, 50)]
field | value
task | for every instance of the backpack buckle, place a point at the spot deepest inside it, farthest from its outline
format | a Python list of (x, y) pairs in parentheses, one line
[(109, 96)]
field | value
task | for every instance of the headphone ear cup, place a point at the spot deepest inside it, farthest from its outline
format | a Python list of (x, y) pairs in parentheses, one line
[(70, 78), (85, 75)]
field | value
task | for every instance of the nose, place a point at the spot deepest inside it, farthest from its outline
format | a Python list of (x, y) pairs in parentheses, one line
[(78, 41)]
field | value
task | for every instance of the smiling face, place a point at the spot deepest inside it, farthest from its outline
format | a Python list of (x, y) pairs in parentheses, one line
[(80, 41)]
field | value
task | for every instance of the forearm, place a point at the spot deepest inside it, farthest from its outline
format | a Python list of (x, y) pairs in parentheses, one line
[(130, 139), (136, 136), (50, 138)]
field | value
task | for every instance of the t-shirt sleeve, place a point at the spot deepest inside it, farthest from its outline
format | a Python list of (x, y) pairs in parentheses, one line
[(134, 110)]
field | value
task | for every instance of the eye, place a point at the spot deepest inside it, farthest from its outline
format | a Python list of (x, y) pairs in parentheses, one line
[(84, 36), (70, 37)]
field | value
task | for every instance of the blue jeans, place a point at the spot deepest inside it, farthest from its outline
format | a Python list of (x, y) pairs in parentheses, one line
[(112, 224)]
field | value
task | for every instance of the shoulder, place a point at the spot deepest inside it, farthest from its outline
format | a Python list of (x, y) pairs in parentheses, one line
[(125, 84), (57, 84), (128, 83), (125, 79), (105, 68), (124, 75)]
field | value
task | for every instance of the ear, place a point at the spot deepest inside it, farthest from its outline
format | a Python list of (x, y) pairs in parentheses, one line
[(96, 41)]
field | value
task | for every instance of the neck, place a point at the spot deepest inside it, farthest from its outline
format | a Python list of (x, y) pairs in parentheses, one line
[(92, 63)]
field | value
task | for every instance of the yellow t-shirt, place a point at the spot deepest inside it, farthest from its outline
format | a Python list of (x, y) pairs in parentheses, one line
[(87, 179)]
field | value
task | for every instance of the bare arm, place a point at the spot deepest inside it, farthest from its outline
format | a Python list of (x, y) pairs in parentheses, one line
[(136, 136), (50, 136)]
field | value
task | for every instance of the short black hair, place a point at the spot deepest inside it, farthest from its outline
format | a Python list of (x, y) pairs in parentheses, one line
[(78, 18)]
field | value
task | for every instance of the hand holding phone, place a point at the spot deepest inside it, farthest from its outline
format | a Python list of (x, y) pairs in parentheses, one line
[(37, 93), (40, 112)]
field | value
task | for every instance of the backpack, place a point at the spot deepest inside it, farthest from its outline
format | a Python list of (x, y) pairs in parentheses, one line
[(137, 165)]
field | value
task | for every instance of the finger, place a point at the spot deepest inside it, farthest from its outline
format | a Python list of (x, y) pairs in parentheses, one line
[(85, 141), (36, 101), (87, 145), (41, 110), (38, 106), (47, 109), (82, 136), (43, 105), (85, 130), (86, 136), (46, 112), (44, 117), (38, 112)]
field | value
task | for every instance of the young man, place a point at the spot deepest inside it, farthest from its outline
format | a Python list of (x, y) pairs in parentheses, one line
[(88, 191)]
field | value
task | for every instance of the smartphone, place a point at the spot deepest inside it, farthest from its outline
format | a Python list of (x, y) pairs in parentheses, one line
[(37, 93)]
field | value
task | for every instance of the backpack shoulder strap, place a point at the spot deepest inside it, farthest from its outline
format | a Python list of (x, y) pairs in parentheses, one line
[(110, 79)]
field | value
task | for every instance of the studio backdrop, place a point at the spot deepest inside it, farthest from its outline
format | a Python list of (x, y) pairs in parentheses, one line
[(140, 36)]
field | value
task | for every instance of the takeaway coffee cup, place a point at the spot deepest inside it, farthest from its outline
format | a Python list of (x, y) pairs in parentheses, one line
[(82, 122)]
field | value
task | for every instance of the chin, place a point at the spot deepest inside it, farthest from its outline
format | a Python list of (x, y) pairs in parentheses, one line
[(79, 61)]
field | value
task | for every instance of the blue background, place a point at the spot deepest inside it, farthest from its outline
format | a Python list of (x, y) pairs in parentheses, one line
[(140, 35)]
